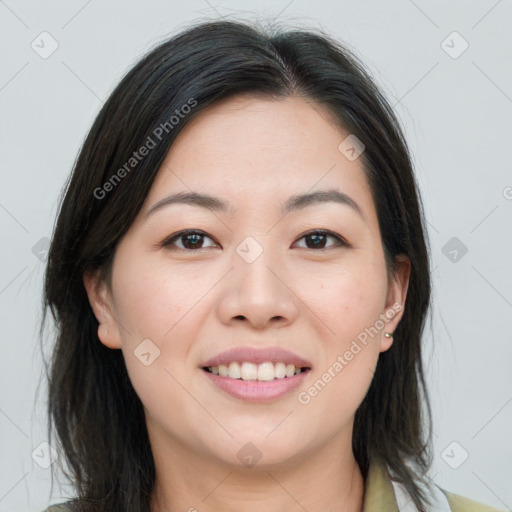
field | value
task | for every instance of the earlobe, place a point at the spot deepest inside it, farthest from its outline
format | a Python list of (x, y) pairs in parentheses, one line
[(386, 341), (99, 300)]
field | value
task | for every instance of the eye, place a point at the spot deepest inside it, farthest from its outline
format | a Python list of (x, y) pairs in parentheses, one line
[(191, 239), (318, 239)]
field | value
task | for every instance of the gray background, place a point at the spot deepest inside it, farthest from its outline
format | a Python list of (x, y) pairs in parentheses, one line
[(457, 116)]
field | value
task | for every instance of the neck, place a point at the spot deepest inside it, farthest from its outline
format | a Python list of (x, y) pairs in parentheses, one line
[(325, 480)]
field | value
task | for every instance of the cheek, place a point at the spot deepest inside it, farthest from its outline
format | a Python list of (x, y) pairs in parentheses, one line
[(152, 300), (163, 303), (349, 302), (350, 297), (152, 310), (152, 306), (345, 372)]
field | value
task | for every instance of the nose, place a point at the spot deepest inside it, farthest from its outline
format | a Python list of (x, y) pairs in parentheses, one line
[(259, 293)]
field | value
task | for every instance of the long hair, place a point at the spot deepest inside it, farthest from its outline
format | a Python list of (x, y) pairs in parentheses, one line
[(95, 415)]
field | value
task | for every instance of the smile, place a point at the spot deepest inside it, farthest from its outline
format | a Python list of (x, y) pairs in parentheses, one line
[(263, 384), (246, 371)]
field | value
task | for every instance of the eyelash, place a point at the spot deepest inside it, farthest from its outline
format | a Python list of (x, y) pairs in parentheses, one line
[(167, 243)]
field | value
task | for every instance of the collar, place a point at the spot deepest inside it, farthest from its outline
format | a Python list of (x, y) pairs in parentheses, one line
[(379, 494)]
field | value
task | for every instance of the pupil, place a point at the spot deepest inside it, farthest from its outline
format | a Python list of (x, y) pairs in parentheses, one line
[(317, 239), (192, 239)]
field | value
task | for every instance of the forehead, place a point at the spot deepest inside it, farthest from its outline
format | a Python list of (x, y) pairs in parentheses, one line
[(251, 149), (246, 125)]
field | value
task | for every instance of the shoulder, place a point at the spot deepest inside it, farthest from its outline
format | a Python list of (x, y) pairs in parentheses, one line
[(460, 503)]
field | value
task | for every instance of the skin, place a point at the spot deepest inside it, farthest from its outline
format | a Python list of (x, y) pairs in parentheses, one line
[(195, 303)]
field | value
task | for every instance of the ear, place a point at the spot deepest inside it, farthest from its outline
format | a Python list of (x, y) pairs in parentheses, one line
[(100, 301), (395, 301)]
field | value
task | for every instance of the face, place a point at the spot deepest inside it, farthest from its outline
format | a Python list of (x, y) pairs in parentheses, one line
[(275, 280)]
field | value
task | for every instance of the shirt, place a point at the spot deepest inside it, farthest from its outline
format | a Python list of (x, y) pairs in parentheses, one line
[(381, 496)]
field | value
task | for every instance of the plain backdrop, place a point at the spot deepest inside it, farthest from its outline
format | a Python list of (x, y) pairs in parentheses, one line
[(446, 67)]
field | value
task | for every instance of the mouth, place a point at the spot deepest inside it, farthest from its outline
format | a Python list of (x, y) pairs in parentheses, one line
[(264, 372), (256, 375)]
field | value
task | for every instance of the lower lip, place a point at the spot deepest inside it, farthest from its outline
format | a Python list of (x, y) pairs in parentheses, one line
[(257, 390)]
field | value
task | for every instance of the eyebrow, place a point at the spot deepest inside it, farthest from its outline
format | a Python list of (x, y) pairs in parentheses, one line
[(293, 203)]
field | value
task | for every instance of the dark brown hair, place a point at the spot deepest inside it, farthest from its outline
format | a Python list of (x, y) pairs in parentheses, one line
[(98, 418)]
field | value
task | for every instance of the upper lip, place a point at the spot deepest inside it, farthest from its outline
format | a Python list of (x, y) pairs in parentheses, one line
[(257, 356)]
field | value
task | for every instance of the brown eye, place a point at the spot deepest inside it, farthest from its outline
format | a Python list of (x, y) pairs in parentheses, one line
[(187, 240), (318, 240)]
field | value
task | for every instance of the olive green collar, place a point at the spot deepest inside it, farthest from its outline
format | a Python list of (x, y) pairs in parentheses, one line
[(379, 494)]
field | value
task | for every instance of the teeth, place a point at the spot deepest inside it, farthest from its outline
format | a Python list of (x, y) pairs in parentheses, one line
[(279, 370), (234, 370), (250, 371), (266, 371)]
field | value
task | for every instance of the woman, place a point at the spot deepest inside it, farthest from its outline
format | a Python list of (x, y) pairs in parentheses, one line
[(239, 277)]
